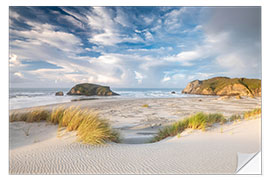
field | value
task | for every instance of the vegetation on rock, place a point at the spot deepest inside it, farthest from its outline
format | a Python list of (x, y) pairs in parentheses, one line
[(88, 89), (225, 86)]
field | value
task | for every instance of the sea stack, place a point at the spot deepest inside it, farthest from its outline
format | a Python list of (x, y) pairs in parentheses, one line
[(59, 93), (88, 89)]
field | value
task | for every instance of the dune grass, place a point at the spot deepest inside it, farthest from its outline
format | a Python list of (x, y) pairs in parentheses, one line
[(91, 129), (145, 105), (234, 117), (56, 115), (201, 121), (252, 113), (35, 115), (197, 121)]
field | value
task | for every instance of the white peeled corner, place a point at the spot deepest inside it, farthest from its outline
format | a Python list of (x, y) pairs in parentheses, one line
[(248, 163)]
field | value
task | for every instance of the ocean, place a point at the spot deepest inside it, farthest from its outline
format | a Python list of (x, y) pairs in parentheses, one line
[(31, 97)]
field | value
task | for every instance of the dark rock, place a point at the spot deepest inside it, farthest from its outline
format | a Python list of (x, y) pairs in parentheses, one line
[(59, 93), (173, 92), (88, 89)]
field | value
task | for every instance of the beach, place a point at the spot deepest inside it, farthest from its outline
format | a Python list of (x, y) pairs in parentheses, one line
[(46, 150), (134, 90)]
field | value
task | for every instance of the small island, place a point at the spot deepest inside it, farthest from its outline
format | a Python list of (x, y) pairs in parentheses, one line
[(88, 89), (224, 86)]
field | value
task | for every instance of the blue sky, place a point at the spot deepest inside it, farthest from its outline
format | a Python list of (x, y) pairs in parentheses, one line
[(137, 47)]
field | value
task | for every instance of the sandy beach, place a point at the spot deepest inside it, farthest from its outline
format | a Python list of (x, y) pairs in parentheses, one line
[(39, 148)]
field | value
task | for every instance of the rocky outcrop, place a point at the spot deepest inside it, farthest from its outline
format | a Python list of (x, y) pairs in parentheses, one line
[(192, 87), (59, 93), (88, 89), (224, 86)]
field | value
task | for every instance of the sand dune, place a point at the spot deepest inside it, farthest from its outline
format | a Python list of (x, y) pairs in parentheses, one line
[(44, 151)]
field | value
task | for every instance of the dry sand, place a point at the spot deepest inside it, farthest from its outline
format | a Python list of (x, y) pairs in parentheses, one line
[(37, 148)]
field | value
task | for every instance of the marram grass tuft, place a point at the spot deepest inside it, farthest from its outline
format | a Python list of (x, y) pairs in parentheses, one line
[(91, 129), (197, 121)]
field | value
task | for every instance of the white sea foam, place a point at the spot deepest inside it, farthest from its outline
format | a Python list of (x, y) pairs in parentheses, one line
[(24, 98)]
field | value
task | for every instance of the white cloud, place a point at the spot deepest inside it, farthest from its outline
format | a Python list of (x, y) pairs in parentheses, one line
[(46, 34), (173, 19), (148, 20), (121, 18), (107, 39), (13, 61), (148, 35), (19, 74), (166, 78), (109, 30), (173, 78), (178, 76), (139, 77), (184, 56)]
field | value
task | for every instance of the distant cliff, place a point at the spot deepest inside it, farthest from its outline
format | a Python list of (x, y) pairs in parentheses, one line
[(88, 89), (225, 86)]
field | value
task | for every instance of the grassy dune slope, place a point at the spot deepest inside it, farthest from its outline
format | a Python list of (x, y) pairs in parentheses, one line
[(91, 129), (201, 121)]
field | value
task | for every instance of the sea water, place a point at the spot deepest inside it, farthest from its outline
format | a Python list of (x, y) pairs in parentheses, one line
[(31, 97)]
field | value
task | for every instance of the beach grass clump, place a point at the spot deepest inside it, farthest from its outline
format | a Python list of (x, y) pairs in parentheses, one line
[(172, 130), (78, 116), (252, 113), (145, 105), (13, 117), (216, 118), (234, 117), (198, 121), (35, 115), (203, 120), (38, 115), (56, 115), (94, 130), (68, 116), (91, 129)]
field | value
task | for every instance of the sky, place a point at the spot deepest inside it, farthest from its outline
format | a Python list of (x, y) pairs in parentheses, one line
[(132, 47)]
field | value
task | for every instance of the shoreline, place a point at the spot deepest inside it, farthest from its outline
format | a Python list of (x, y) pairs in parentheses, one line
[(130, 99)]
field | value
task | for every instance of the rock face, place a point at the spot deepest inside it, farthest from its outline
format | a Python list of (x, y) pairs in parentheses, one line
[(224, 86), (59, 93), (88, 89)]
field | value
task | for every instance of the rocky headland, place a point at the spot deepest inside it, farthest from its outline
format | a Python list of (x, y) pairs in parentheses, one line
[(224, 86)]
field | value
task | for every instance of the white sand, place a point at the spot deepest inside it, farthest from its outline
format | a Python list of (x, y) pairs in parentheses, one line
[(213, 151)]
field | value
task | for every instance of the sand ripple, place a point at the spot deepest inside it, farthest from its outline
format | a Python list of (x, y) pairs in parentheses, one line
[(199, 152)]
